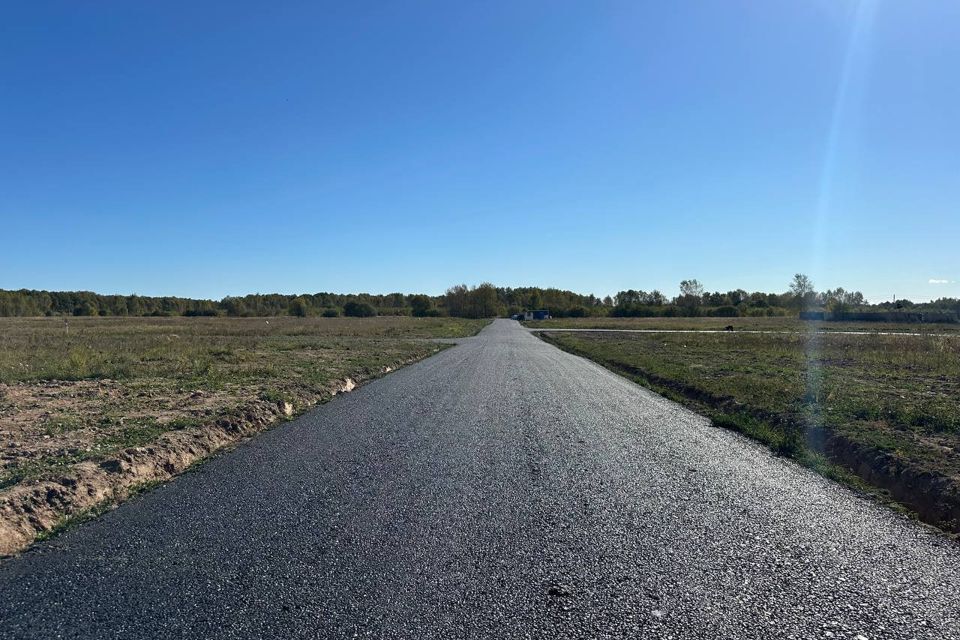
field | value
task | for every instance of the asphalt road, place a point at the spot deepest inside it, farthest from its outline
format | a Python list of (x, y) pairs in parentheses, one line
[(501, 489)]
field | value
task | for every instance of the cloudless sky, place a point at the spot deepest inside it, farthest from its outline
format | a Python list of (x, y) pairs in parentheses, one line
[(212, 148)]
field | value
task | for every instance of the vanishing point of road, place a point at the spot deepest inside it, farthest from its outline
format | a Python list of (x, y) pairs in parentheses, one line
[(500, 489)]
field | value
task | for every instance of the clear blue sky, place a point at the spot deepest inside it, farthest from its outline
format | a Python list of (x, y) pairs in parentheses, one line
[(213, 148)]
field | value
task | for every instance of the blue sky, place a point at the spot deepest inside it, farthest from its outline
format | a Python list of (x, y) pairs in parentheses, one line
[(205, 149)]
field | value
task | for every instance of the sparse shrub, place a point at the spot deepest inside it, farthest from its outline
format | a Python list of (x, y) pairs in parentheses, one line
[(726, 311), (359, 310), (420, 305), (202, 366), (299, 308), (78, 362), (392, 311), (792, 442), (86, 308)]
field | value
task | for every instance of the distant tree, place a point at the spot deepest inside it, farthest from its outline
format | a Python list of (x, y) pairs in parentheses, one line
[(737, 297), (299, 307), (535, 301), (840, 300), (420, 305), (86, 308), (627, 298), (455, 300), (655, 298), (726, 311), (356, 309), (758, 299), (715, 299), (691, 296), (801, 285), (483, 302), (691, 289), (330, 313), (135, 305), (802, 289), (233, 306)]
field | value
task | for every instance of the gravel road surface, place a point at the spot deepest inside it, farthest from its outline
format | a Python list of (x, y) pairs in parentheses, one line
[(501, 489)]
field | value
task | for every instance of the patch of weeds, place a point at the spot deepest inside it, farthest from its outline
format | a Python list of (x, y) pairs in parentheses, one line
[(8, 478), (42, 467), (275, 396), (132, 434), (69, 522), (63, 423), (144, 487), (154, 354), (933, 420), (784, 441), (221, 353)]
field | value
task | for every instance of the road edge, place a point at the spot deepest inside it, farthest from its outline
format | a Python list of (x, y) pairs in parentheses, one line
[(868, 473), (40, 510)]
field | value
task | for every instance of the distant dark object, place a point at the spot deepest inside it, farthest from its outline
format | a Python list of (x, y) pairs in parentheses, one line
[(330, 313), (729, 327), (539, 314)]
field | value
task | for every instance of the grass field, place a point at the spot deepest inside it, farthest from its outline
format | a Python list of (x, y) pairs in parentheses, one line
[(740, 324), (85, 388), (893, 400)]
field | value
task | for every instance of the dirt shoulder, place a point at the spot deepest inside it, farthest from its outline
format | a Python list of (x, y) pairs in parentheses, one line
[(187, 388)]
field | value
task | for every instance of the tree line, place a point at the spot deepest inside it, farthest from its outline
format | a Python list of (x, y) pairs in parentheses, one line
[(26, 302), (482, 301), (692, 299)]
